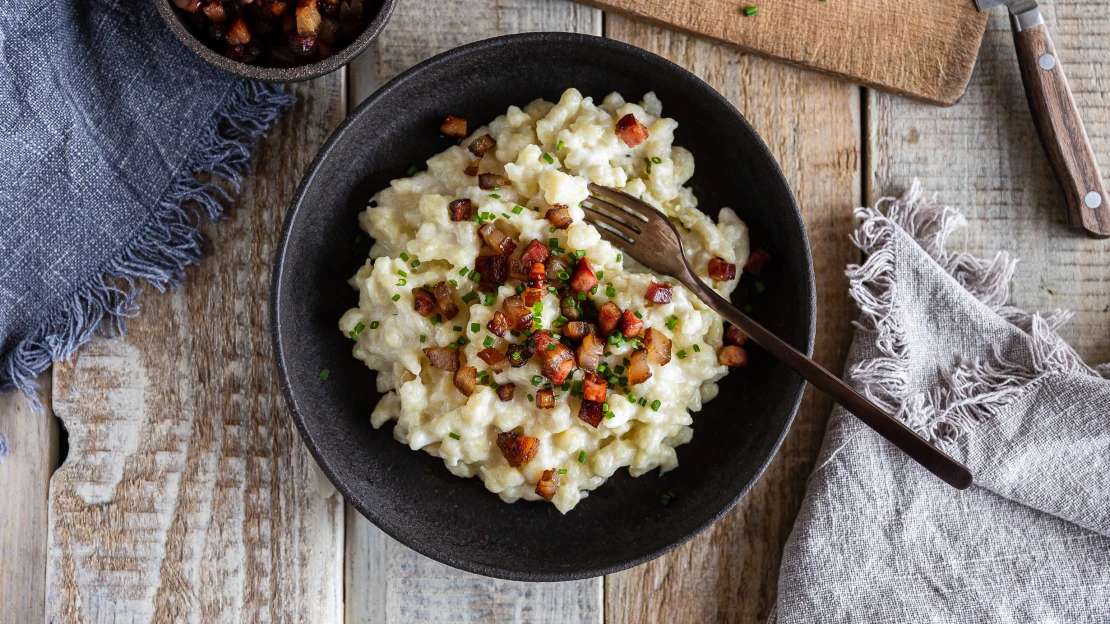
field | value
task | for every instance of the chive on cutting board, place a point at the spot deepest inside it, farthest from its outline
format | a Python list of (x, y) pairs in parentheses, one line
[(922, 49)]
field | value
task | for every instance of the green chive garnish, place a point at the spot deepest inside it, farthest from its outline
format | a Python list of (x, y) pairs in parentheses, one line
[(610, 291), (402, 281), (396, 297), (748, 308), (490, 300), (656, 159), (536, 380), (760, 287), (404, 257), (453, 435), (411, 170), (423, 337), (474, 276), (495, 196), (469, 297), (436, 319), (373, 324), (638, 315), (559, 147), (548, 158), (552, 242), (463, 271), (414, 263), (562, 471), (655, 405), (488, 342), (697, 349), (530, 399), (582, 457), (475, 328), (518, 209), (324, 373), (358, 328), (750, 11), (671, 322), (681, 354), (601, 275)]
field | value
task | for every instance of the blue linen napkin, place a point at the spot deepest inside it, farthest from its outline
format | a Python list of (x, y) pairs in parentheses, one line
[(104, 120)]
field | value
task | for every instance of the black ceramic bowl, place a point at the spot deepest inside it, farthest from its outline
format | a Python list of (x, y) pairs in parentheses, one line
[(411, 495), (173, 18)]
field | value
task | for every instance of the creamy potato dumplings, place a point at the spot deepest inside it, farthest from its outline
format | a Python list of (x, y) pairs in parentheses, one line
[(513, 342)]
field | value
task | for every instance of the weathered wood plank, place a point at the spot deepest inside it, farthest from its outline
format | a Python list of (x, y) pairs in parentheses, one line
[(387, 582), (25, 476), (983, 157), (812, 125), (187, 494)]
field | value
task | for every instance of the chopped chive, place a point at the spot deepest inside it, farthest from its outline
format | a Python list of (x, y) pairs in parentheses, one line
[(750, 11), (548, 158), (581, 296), (457, 328), (324, 372), (562, 471), (474, 276), (552, 289), (518, 209), (454, 283), (505, 215), (601, 275), (463, 271), (358, 328), (475, 328), (396, 297), (423, 337), (353, 335), (402, 273), (463, 340), (697, 349), (671, 322), (656, 159), (562, 275), (748, 308), (454, 346), (632, 397), (402, 281), (760, 287), (610, 291), (551, 346), (643, 401), (552, 242), (618, 369), (601, 368), (655, 405), (414, 263), (536, 380), (537, 308), (530, 399), (488, 342), (559, 147), (582, 457), (613, 379), (404, 257), (470, 296), (620, 257), (637, 314), (626, 362), (373, 324), (519, 288), (411, 170), (495, 196), (593, 291), (490, 300), (453, 436), (436, 319), (681, 354), (647, 162)]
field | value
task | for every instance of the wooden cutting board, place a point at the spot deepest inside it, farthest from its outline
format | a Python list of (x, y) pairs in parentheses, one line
[(922, 49)]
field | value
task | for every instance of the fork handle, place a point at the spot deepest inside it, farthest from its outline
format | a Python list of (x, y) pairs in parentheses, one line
[(932, 459)]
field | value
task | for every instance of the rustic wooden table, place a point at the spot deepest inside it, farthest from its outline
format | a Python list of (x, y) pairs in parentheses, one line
[(186, 494)]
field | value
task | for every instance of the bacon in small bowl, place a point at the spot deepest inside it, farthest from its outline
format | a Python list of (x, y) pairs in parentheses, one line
[(659, 293), (492, 181), (446, 303), (631, 131), (608, 317), (443, 358), (559, 216), (591, 412), (548, 485), (517, 449), (481, 145), (584, 278), (460, 209), (454, 127), (732, 356), (630, 326), (720, 270), (423, 301)]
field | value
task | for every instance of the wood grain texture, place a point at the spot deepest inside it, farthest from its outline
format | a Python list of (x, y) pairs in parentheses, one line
[(25, 475), (387, 582), (983, 157), (1061, 130), (187, 494), (923, 49), (811, 123)]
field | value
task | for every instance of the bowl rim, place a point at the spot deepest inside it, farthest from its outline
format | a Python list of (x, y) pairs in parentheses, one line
[(296, 204), (299, 73)]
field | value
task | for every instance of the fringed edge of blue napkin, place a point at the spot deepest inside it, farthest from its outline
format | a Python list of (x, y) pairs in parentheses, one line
[(159, 254), (972, 391)]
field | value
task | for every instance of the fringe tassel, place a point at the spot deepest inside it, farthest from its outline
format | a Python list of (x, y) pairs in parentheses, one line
[(974, 391), (169, 242)]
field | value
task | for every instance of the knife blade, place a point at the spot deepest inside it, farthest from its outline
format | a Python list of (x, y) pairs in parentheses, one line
[(1056, 118)]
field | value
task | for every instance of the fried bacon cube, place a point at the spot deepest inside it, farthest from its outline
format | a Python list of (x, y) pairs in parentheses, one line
[(734, 336), (659, 293), (590, 352), (577, 330), (460, 210), (631, 131), (518, 355), (591, 412), (446, 303), (532, 296), (536, 275), (518, 269), (559, 216), (732, 356), (535, 252), (493, 269), (466, 379), (498, 325), (517, 449), (558, 362), (584, 278), (518, 313), (756, 261), (505, 392), (481, 145), (549, 484), (239, 33), (497, 239), (638, 370), (594, 388), (492, 181), (497, 360), (545, 399), (721, 270), (423, 301), (454, 127), (568, 307), (608, 317), (443, 358), (472, 168), (308, 18), (658, 346), (630, 326)]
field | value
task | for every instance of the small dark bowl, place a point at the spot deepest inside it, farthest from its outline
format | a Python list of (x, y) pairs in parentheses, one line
[(411, 495), (172, 16)]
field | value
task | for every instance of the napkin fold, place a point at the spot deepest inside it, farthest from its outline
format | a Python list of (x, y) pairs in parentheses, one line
[(105, 119), (879, 539)]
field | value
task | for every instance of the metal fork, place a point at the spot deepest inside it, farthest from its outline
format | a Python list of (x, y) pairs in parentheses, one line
[(648, 235)]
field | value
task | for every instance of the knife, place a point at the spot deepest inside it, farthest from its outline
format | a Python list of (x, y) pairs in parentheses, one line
[(1056, 118)]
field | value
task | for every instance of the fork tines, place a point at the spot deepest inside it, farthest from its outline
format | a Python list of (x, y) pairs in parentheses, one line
[(614, 212)]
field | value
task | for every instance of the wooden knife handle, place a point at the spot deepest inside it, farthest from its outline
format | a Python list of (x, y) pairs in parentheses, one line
[(1062, 133)]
